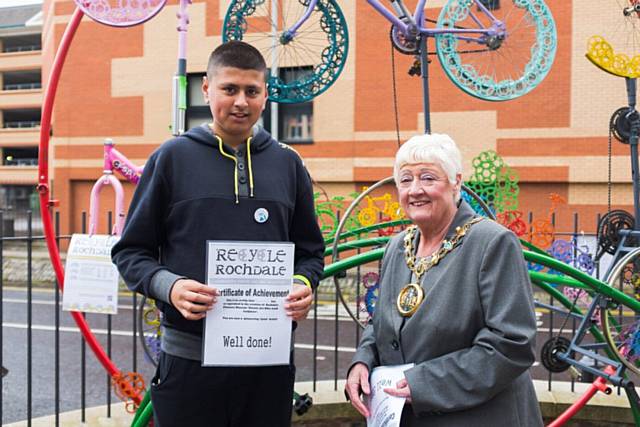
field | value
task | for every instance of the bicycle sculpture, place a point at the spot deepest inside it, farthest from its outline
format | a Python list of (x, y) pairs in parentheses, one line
[(608, 331), (328, 211), (492, 188), (494, 182), (615, 338), (129, 386), (618, 230), (472, 38), (113, 161), (619, 53), (149, 316), (495, 51)]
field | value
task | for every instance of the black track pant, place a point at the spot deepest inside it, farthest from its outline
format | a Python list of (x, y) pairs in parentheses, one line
[(184, 393)]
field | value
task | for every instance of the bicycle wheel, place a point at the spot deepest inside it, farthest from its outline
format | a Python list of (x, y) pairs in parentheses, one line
[(357, 288), (621, 323), (115, 13), (615, 44), (149, 318), (308, 60), (508, 61)]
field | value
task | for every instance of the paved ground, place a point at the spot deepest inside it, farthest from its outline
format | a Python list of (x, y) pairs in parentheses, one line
[(336, 341)]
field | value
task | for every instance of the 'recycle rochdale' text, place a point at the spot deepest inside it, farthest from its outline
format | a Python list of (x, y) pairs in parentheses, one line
[(250, 262), (251, 270)]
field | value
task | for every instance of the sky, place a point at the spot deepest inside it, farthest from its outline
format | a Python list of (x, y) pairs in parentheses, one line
[(7, 3)]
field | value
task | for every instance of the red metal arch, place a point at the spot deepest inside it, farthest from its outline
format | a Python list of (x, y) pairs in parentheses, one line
[(123, 382)]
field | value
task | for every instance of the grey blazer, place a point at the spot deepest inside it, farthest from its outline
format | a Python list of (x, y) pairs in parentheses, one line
[(472, 339)]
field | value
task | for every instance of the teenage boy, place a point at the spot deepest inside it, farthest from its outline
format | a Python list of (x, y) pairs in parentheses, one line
[(229, 180)]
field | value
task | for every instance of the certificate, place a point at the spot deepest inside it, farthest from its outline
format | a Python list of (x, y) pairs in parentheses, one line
[(385, 410), (91, 279), (248, 325)]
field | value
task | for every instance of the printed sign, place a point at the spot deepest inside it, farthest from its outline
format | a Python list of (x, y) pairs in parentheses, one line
[(385, 410), (91, 279), (248, 325)]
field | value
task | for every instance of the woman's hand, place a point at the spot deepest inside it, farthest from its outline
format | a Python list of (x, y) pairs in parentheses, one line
[(358, 384), (401, 390)]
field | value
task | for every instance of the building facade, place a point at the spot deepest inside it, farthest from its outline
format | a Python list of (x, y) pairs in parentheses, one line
[(116, 84), (20, 101)]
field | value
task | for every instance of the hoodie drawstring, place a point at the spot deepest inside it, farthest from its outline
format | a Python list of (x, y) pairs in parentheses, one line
[(235, 169), (250, 169)]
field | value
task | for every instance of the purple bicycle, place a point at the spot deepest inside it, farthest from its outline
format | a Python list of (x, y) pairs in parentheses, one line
[(495, 50)]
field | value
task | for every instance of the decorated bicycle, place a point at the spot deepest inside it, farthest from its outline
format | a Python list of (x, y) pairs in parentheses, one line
[(463, 49)]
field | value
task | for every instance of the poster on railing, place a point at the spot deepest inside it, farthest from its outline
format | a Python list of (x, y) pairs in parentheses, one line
[(91, 279), (385, 410), (248, 325)]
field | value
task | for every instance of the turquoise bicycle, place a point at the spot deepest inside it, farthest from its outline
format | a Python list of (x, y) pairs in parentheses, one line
[(495, 50)]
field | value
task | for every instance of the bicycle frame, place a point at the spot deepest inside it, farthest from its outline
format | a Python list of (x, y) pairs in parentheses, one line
[(601, 292), (630, 236), (179, 82), (113, 160), (417, 20), (616, 374), (411, 24)]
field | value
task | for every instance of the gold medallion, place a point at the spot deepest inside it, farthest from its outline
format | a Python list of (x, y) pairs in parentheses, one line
[(412, 295), (409, 299)]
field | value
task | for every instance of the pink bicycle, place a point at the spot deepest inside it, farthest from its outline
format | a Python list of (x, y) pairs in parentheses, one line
[(113, 161)]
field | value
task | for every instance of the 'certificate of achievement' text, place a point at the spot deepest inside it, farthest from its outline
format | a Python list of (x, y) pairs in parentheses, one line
[(248, 325)]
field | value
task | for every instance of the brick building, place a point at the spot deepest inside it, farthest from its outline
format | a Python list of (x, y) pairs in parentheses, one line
[(20, 100), (117, 83)]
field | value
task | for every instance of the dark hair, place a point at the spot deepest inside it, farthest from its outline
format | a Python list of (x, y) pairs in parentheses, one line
[(236, 54)]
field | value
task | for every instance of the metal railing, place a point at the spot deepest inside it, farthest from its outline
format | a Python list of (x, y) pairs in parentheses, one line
[(21, 162), (21, 124), (23, 48), (50, 372), (22, 86)]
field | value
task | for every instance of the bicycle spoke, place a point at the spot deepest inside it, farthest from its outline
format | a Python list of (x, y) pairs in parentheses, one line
[(509, 67), (319, 45), (621, 325)]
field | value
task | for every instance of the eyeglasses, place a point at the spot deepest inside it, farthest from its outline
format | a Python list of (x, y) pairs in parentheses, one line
[(425, 179)]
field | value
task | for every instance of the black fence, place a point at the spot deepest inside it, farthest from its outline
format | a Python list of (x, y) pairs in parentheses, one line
[(21, 224), (48, 370)]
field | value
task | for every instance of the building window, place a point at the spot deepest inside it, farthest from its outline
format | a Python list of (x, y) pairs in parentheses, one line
[(491, 4), (295, 121), (25, 43), (20, 156), (21, 80), (197, 110), (18, 197), (23, 118)]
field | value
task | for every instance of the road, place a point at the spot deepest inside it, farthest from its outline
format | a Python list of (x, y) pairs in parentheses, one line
[(329, 361)]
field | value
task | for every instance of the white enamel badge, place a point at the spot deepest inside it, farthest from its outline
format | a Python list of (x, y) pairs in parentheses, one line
[(261, 215)]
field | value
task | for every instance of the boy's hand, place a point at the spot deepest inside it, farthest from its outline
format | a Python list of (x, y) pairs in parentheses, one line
[(299, 302), (192, 299)]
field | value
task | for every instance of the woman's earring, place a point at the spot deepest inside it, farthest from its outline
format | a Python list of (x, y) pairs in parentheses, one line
[(206, 101)]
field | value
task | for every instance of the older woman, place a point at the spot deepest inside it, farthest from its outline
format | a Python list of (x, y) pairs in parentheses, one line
[(455, 299)]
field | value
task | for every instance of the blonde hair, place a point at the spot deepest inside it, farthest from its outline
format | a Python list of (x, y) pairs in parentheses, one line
[(435, 148)]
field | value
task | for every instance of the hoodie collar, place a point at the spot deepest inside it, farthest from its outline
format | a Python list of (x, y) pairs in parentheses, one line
[(259, 141)]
